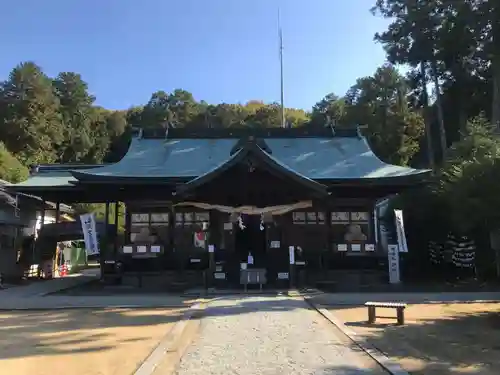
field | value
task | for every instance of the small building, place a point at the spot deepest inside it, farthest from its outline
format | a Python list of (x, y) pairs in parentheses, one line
[(249, 195), (21, 217)]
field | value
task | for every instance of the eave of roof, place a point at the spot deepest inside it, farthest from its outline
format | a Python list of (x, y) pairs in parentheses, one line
[(252, 150)]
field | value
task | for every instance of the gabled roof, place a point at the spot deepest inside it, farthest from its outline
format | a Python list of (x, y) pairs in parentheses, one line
[(334, 158), (251, 151), (182, 155)]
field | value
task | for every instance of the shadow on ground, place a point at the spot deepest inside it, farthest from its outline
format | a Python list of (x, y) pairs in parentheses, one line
[(344, 370), (42, 333), (64, 331), (459, 344)]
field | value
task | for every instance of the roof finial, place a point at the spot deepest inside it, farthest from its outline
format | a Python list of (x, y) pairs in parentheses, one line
[(331, 124), (358, 131), (34, 168), (207, 120)]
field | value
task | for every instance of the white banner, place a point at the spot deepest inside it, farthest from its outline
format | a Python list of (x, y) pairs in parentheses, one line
[(90, 233), (291, 254), (393, 257), (400, 229)]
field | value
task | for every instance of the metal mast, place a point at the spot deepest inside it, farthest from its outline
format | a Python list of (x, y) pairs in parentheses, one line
[(280, 33)]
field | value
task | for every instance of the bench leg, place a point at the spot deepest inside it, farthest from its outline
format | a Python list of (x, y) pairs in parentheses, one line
[(371, 314), (401, 316)]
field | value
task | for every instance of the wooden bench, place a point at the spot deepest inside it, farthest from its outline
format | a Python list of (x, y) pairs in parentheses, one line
[(399, 306)]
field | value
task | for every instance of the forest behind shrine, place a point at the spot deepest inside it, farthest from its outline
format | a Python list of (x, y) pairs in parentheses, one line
[(434, 104)]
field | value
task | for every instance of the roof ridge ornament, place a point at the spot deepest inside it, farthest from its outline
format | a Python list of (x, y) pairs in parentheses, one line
[(331, 124), (359, 130), (250, 141)]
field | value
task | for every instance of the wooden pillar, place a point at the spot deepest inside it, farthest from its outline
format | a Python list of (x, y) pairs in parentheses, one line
[(115, 247), (42, 222), (328, 223), (42, 219), (106, 215), (104, 252), (58, 211), (117, 208), (371, 314)]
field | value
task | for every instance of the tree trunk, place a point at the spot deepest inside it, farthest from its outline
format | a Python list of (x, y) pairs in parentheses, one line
[(439, 106), (495, 64), (495, 110), (425, 104)]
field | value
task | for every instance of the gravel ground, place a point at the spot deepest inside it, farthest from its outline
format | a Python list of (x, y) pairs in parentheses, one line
[(81, 341), (271, 336)]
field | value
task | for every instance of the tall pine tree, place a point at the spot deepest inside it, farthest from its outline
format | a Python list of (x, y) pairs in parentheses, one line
[(31, 126)]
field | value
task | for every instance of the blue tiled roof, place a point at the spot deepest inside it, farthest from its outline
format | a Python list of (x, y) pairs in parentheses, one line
[(171, 158), (334, 158), (316, 158)]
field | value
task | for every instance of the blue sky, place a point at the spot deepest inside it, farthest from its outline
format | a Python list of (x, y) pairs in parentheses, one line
[(220, 50)]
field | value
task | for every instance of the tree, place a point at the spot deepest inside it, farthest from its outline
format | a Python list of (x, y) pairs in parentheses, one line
[(78, 114), (380, 103), (470, 177), (156, 112), (458, 43), (31, 126), (330, 108), (178, 108), (225, 115), (412, 39), (267, 116), (11, 169)]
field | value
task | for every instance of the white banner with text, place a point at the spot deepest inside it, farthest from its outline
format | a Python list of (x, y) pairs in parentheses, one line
[(90, 233)]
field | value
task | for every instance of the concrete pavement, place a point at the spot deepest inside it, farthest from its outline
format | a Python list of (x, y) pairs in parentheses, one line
[(67, 302), (44, 287)]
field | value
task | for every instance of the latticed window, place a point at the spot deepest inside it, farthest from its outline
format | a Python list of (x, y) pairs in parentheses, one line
[(308, 217), (186, 219), (149, 227), (351, 228)]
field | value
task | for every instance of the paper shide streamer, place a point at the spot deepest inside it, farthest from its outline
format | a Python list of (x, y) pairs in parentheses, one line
[(240, 223)]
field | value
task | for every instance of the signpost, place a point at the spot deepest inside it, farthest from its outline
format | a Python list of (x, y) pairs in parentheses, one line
[(393, 257), (291, 256)]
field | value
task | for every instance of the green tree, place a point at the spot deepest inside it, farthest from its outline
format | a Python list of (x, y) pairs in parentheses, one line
[(380, 102), (11, 169), (330, 108), (178, 108), (31, 126), (468, 181), (78, 115)]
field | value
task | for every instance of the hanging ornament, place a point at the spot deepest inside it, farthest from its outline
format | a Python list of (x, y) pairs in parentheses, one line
[(262, 227), (240, 223)]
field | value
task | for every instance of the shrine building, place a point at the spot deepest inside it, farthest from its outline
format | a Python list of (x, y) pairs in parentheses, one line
[(210, 200)]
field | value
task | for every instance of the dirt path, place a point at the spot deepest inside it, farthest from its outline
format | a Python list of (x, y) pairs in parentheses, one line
[(438, 339), (81, 342)]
